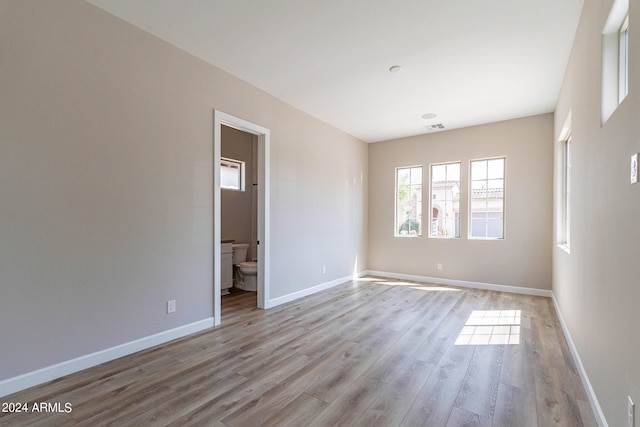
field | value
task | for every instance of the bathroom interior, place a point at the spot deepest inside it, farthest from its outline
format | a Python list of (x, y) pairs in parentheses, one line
[(239, 212)]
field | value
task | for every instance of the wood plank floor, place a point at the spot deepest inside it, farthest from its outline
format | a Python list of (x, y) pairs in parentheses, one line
[(372, 352)]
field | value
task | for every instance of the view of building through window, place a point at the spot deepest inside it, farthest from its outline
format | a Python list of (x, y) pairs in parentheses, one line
[(487, 199), (445, 200)]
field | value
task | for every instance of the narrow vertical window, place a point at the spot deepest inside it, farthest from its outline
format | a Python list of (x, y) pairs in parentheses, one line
[(408, 218), (487, 199), (623, 62), (566, 193), (445, 201)]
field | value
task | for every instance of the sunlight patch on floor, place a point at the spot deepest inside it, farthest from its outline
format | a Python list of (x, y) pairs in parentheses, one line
[(491, 327)]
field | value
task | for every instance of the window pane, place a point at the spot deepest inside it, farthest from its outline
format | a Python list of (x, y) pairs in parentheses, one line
[(229, 177), (495, 168), (231, 174), (403, 176), (445, 200), (478, 206), (494, 226), (479, 185), (495, 183), (438, 173), (487, 199), (478, 225), (479, 170), (565, 237), (408, 215), (453, 171), (623, 65), (416, 176)]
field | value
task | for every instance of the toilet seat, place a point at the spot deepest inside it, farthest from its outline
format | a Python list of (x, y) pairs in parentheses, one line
[(248, 267)]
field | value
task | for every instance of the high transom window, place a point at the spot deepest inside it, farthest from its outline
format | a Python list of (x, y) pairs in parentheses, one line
[(615, 59)]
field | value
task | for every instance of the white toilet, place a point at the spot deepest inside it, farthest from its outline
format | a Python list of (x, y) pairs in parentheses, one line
[(247, 275), (244, 273)]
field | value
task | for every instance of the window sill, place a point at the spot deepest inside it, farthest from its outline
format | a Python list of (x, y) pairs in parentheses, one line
[(488, 239)]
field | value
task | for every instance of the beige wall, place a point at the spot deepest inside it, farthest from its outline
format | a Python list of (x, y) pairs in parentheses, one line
[(236, 219), (596, 284), (106, 209), (106, 142), (522, 258)]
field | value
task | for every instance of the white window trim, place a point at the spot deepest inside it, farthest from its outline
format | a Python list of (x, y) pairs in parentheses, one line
[(565, 231), (395, 203), (504, 200), (623, 59), (560, 175), (429, 234), (241, 170), (615, 51)]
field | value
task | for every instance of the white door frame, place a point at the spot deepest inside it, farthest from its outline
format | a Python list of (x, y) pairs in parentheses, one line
[(263, 134)]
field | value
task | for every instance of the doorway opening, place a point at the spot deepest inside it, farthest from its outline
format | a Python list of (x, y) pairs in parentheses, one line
[(262, 243)]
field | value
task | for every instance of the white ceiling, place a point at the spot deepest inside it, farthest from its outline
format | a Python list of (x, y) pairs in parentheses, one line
[(468, 61)]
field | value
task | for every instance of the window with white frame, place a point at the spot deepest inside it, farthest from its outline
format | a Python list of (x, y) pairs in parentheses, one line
[(566, 193), (232, 174), (444, 210), (623, 59), (615, 58), (486, 202), (408, 215)]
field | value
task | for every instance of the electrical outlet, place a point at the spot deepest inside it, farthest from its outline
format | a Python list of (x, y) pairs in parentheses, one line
[(171, 306), (630, 412), (439, 266)]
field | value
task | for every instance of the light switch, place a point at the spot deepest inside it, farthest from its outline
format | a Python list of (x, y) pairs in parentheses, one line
[(634, 168)]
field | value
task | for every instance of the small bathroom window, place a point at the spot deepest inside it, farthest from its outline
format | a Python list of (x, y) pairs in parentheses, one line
[(231, 174)]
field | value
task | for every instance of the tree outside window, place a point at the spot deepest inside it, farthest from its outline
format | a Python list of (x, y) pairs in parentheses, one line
[(408, 201)]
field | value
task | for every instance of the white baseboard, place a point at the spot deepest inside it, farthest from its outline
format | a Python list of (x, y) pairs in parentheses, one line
[(463, 283), (438, 281), (310, 291), (30, 379), (593, 399)]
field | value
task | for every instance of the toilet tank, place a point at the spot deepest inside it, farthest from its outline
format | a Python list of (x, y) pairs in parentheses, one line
[(240, 252)]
